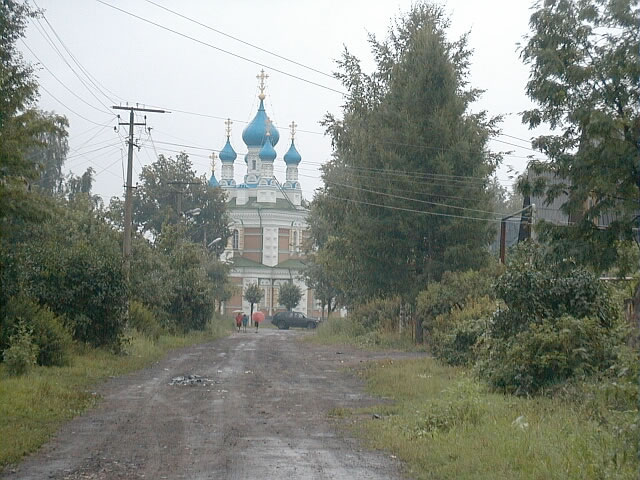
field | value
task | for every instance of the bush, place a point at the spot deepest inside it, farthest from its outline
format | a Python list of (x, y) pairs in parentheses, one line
[(46, 329), (378, 314), (549, 352), (22, 352), (453, 291), (560, 323), (144, 321), (456, 333)]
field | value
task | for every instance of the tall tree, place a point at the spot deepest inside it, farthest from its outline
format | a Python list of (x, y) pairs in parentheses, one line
[(253, 294), (409, 162), (22, 127), (290, 295), (169, 185), (585, 72)]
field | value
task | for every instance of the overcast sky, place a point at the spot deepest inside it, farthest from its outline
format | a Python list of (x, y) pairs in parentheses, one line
[(210, 75)]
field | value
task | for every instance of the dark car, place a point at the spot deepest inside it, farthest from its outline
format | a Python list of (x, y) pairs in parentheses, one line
[(284, 320)]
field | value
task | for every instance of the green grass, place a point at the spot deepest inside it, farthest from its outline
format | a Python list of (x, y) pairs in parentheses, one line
[(33, 406), (345, 331), (446, 425)]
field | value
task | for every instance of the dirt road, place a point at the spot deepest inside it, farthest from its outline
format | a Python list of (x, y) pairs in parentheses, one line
[(258, 411)]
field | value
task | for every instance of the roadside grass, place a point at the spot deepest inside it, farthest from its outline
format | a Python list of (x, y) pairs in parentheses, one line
[(446, 425), (33, 406), (345, 331)]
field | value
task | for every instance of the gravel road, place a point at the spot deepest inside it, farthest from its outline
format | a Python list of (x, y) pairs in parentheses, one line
[(258, 410)]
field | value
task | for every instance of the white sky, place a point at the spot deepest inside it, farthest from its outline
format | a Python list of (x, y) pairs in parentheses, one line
[(141, 63)]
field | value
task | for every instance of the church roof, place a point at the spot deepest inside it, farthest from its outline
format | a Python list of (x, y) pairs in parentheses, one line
[(267, 153), (213, 181), (227, 154), (292, 156), (255, 134)]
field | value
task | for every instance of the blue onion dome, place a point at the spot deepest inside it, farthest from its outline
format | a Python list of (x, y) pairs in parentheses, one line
[(213, 182), (267, 153), (227, 154), (292, 156), (255, 134)]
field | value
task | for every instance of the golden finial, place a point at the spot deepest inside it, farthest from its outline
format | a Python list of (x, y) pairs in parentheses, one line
[(268, 125), (228, 123), (262, 77), (213, 161), (293, 126)]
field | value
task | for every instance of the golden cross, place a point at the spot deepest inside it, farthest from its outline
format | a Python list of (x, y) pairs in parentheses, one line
[(262, 77), (213, 161), (228, 123), (293, 126)]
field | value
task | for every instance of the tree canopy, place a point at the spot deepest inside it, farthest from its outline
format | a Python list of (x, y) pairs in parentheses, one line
[(585, 72), (410, 165)]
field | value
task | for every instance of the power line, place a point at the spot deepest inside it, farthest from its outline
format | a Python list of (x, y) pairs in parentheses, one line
[(221, 49), (241, 41), (48, 38), (68, 108)]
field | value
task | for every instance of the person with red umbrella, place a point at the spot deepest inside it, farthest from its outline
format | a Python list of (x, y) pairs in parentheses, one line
[(257, 317)]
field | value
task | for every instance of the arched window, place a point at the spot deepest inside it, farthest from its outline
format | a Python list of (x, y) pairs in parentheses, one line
[(253, 163), (236, 240), (295, 238)]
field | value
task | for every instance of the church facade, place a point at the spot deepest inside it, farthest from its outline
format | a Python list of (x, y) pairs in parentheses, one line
[(268, 220)]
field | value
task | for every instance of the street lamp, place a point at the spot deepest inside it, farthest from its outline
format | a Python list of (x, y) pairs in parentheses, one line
[(214, 242)]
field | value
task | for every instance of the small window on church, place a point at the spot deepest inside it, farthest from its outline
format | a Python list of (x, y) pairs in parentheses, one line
[(295, 238), (253, 164), (235, 241)]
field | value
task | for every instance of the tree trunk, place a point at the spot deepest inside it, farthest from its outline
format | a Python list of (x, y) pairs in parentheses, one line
[(251, 316)]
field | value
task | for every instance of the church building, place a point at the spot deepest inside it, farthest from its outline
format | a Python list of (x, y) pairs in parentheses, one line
[(268, 220)]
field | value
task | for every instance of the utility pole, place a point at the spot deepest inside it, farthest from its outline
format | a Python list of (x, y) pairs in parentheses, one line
[(128, 199)]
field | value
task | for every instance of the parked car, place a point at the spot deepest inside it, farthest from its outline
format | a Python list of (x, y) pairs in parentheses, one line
[(284, 320)]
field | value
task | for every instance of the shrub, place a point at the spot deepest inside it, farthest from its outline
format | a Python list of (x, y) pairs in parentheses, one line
[(144, 321), (547, 353), (378, 314), (22, 352), (455, 334), (46, 329), (453, 291)]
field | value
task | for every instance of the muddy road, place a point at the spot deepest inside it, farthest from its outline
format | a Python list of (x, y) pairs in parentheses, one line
[(257, 410)]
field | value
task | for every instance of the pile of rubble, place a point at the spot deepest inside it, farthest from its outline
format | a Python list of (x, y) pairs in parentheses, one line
[(190, 380)]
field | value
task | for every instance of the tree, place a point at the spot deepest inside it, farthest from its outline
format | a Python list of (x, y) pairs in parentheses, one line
[(409, 163), (51, 154), (168, 182), (22, 127), (317, 277), (253, 294), (585, 71), (289, 295)]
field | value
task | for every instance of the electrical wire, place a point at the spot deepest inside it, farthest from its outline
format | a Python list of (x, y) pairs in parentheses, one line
[(68, 108), (242, 41), (221, 49)]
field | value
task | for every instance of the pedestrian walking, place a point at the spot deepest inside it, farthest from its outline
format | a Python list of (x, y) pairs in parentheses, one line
[(257, 318), (239, 321), (245, 320)]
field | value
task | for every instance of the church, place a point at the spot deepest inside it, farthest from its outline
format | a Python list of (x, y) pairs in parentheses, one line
[(268, 220)]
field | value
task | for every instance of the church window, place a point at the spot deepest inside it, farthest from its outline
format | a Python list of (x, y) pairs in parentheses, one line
[(253, 164), (235, 241), (295, 238)]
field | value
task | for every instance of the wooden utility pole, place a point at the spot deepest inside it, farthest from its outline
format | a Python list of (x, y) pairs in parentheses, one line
[(128, 199)]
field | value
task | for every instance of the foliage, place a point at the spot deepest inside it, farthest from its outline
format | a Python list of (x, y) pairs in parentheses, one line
[(144, 321), (22, 127), (218, 274), (585, 71), (22, 352), (454, 290), (73, 265), (560, 322), (455, 333), (168, 183), (389, 214), (47, 330), (381, 314), (318, 278), (253, 294), (289, 295), (190, 298)]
